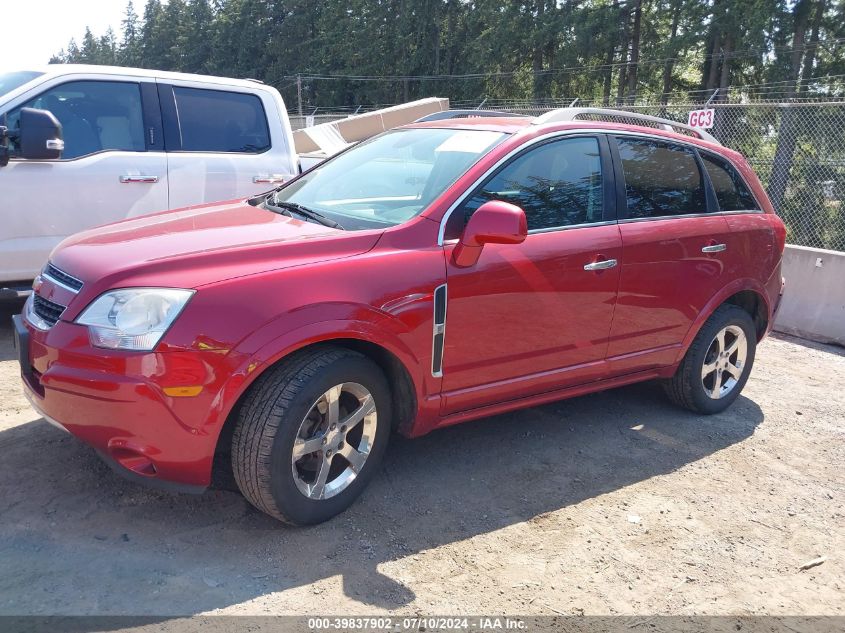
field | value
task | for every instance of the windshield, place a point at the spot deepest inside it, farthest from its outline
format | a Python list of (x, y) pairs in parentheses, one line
[(391, 178), (10, 81)]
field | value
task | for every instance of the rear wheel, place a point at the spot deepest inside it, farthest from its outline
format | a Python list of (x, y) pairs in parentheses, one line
[(310, 435), (717, 364)]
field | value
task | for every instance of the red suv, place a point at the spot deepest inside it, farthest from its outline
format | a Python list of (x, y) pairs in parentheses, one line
[(438, 273)]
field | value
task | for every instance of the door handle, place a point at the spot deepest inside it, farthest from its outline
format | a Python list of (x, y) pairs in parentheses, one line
[(127, 179), (271, 179), (714, 248), (602, 265)]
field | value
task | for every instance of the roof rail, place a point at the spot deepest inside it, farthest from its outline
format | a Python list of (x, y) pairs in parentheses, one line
[(572, 114)]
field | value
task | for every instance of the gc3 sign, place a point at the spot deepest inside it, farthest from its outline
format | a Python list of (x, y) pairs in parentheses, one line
[(702, 118)]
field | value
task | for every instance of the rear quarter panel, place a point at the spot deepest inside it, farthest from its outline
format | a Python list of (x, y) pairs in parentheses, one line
[(762, 237), (751, 251)]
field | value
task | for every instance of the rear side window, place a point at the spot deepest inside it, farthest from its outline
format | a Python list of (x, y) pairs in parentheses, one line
[(731, 192), (220, 121), (661, 179), (557, 184), (95, 115)]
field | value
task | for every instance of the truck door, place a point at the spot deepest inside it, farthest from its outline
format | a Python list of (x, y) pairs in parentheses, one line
[(113, 167), (223, 143)]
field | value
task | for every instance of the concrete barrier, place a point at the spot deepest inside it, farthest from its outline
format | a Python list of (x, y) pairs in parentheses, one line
[(813, 304)]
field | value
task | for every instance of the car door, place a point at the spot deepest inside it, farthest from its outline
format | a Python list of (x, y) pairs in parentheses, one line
[(533, 317), (113, 166), (673, 246), (751, 245), (220, 144)]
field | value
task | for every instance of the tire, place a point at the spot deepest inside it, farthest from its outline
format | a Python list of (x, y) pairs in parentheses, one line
[(272, 423), (691, 388)]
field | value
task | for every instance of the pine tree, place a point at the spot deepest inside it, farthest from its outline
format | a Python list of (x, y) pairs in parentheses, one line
[(107, 49), (198, 37), (602, 50), (90, 51), (172, 32), (129, 53), (154, 52)]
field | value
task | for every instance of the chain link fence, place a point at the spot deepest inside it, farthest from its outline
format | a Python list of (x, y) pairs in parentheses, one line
[(797, 149)]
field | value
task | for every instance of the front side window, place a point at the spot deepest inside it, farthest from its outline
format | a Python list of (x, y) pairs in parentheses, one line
[(661, 179), (557, 184), (391, 178), (731, 192), (220, 121), (95, 115)]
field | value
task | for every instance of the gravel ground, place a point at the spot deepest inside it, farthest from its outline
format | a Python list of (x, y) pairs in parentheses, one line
[(615, 503)]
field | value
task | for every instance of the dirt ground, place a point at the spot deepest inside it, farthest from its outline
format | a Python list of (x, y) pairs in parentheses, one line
[(616, 503)]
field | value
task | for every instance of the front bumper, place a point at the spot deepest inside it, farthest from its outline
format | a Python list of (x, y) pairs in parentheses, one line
[(115, 402)]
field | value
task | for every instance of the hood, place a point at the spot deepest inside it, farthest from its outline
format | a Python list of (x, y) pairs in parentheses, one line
[(196, 246)]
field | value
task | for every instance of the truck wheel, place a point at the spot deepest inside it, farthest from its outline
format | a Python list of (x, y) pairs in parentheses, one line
[(311, 433), (717, 364)]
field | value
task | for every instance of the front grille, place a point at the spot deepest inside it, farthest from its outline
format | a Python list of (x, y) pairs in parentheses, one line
[(62, 278), (48, 311)]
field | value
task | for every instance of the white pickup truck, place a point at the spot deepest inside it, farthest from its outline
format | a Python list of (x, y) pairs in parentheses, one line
[(136, 141)]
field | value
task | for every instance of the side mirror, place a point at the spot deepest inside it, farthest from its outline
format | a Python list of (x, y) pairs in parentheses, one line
[(39, 135), (495, 222)]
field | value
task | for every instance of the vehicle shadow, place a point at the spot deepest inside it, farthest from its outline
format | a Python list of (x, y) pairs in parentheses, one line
[(77, 539)]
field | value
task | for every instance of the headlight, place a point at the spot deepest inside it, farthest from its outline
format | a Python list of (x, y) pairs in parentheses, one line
[(133, 318)]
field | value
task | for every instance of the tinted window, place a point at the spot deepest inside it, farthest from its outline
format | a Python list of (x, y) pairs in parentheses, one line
[(731, 191), (218, 121), (660, 179), (10, 81), (556, 184), (95, 116)]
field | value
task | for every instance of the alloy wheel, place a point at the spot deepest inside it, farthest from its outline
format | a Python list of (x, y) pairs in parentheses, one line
[(334, 441), (724, 362)]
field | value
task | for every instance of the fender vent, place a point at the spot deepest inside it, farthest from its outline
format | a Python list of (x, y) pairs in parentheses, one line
[(439, 334)]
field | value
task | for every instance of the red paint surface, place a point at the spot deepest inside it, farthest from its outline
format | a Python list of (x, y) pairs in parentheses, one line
[(525, 322)]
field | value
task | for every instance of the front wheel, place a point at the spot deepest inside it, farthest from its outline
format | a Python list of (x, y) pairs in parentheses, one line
[(311, 433), (717, 364)]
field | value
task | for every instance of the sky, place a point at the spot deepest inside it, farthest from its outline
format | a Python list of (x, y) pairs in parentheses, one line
[(33, 30)]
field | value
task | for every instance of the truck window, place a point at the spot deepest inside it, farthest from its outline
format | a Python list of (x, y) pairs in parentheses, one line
[(220, 121), (95, 116)]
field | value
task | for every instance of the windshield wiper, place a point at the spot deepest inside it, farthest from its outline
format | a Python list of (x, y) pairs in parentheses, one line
[(285, 208)]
